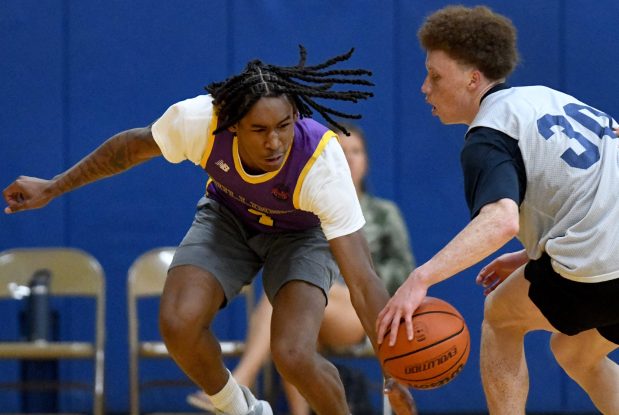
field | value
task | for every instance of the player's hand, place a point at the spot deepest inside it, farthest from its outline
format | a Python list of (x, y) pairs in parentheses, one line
[(617, 131), (401, 400), (400, 307), (499, 269), (26, 193)]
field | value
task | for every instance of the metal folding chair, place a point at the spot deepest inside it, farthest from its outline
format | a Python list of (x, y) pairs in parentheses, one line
[(73, 273)]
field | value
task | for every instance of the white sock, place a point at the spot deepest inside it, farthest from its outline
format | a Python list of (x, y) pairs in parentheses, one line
[(230, 398)]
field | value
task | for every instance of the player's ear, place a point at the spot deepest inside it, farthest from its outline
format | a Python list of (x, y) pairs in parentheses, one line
[(475, 78), (233, 129)]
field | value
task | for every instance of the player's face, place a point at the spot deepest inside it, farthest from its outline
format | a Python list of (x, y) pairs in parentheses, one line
[(354, 150), (265, 134), (448, 87)]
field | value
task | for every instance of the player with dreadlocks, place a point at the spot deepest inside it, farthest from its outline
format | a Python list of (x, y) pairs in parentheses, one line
[(280, 199), (236, 95)]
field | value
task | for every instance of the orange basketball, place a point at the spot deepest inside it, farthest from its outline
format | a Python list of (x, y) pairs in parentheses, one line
[(437, 353)]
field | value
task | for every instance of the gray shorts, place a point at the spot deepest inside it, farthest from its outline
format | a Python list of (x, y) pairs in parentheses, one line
[(218, 243)]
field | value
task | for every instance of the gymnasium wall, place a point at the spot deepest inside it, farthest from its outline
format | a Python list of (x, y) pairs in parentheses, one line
[(74, 73)]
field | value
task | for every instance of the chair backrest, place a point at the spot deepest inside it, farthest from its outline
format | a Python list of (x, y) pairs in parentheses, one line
[(148, 273), (74, 272)]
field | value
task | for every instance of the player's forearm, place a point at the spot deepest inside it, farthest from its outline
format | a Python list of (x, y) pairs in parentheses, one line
[(496, 225), (368, 296), (519, 257), (119, 153), (367, 292), (368, 299)]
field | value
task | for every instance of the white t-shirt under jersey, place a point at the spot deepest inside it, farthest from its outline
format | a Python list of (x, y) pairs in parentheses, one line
[(328, 191)]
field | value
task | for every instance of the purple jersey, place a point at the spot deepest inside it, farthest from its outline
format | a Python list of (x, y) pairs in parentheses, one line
[(269, 202)]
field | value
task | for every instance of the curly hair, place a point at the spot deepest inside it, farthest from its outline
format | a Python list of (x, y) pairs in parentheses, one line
[(474, 36), (234, 97)]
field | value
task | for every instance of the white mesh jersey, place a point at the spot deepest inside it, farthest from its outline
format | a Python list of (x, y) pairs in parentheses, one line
[(571, 157)]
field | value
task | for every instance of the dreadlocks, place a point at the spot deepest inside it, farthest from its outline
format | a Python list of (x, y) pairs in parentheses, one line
[(235, 96)]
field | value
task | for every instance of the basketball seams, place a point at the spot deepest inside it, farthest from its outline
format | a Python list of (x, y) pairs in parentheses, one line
[(433, 344), (450, 368), (423, 313), (433, 319), (444, 339), (418, 383)]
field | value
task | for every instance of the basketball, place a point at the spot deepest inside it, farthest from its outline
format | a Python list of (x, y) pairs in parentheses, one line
[(438, 351)]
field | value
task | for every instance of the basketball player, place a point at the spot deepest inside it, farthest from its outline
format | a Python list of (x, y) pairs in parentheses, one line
[(280, 197), (392, 257), (540, 165)]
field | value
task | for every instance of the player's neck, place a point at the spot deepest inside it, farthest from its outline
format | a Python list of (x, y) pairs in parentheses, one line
[(484, 90)]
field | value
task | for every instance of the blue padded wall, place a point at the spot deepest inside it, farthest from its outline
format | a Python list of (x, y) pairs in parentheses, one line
[(74, 73)]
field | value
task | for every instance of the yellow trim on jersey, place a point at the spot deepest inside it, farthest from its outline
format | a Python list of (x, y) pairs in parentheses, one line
[(253, 179), (208, 181), (211, 141), (319, 148)]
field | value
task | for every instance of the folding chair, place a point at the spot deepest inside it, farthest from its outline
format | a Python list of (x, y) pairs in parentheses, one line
[(146, 279), (74, 273)]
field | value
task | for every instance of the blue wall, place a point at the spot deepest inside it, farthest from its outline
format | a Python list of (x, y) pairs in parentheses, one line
[(74, 73)]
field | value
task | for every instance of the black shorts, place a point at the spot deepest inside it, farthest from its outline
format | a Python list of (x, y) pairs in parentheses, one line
[(570, 306)]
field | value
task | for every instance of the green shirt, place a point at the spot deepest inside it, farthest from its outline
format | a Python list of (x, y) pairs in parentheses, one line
[(387, 237)]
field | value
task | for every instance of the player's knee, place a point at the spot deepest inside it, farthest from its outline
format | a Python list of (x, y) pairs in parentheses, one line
[(498, 314), (291, 359), (563, 353), (568, 352), (180, 322)]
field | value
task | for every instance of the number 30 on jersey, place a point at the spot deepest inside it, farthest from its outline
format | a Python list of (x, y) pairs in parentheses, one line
[(578, 113)]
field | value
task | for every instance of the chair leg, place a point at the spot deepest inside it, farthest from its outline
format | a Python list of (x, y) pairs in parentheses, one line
[(98, 409), (134, 388), (99, 386)]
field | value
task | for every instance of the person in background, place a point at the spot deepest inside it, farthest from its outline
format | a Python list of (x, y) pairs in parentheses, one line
[(385, 231), (539, 165)]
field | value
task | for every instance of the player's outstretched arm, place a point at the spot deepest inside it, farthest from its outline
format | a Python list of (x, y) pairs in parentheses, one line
[(496, 224), (368, 295), (367, 291), (119, 153)]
